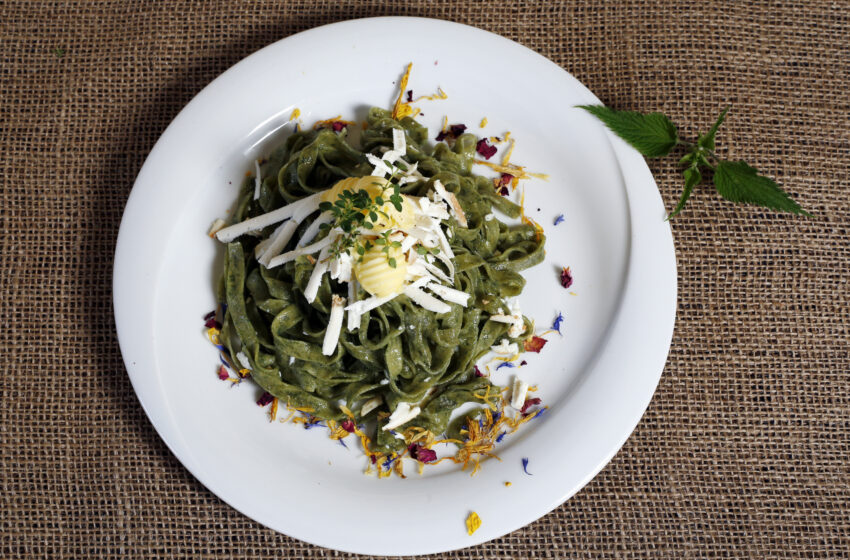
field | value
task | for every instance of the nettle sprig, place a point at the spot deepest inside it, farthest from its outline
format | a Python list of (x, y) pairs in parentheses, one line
[(353, 210), (655, 135)]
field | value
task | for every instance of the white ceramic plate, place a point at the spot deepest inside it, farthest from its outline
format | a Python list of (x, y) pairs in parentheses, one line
[(597, 379)]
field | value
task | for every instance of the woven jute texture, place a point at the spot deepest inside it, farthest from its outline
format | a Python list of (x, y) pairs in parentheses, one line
[(743, 452)]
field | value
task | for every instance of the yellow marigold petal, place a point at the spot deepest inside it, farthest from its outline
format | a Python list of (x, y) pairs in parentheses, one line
[(473, 522)]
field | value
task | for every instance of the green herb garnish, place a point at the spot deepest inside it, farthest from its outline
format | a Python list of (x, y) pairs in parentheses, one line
[(353, 210), (655, 135)]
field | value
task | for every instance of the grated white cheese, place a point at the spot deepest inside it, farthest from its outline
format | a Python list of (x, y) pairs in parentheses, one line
[(407, 243), (515, 319), (518, 393), (313, 230), (331, 339), (353, 318), (450, 197), (505, 348), (370, 405), (436, 271), (279, 240), (257, 180), (217, 225), (230, 233), (426, 301), (402, 414), (399, 141), (312, 288), (308, 250), (243, 360), (341, 268), (381, 169), (449, 294)]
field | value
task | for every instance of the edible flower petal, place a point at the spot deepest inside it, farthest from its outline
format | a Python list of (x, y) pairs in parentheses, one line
[(485, 149), (265, 398), (222, 373), (505, 364), (451, 133), (566, 277), (525, 466), (421, 454), (556, 325), (534, 344), (559, 219), (529, 403), (473, 523), (347, 425), (478, 372)]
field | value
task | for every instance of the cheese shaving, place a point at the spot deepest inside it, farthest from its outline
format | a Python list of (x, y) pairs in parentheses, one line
[(230, 233), (217, 225), (331, 339), (518, 393), (426, 300), (402, 414), (257, 179)]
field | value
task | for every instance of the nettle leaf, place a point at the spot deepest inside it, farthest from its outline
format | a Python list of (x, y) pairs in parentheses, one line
[(692, 179), (652, 134), (707, 140), (739, 182)]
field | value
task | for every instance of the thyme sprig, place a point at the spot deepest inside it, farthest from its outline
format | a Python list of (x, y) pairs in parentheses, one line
[(354, 211)]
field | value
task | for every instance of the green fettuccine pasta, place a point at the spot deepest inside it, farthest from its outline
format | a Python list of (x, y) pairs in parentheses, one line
[(400, 352)]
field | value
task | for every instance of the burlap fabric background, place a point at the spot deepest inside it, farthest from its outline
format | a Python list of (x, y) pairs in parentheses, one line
[(743, 452)]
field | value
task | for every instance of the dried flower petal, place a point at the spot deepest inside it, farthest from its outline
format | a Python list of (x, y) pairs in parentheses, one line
[(347, 425), (453, 132), (566, 277), (534, 344), (505, 364), (473, 522), (525, 466), (210, 315), (505, 179), (421, 454), (478, 372), (212, 323), (556, 326), (529, 403), (222, 373), (410, 96), (265, 399), (338, 125), (559, 219), (485, 148)]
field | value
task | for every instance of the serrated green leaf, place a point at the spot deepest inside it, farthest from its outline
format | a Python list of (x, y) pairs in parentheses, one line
[(707, 140), (692, 179), (652, 134), (739, 182)]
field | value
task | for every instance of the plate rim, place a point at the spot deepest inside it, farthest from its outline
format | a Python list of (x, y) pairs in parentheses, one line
[(129, 326)]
